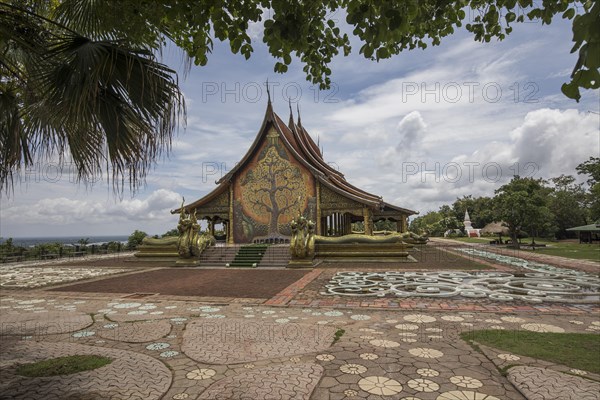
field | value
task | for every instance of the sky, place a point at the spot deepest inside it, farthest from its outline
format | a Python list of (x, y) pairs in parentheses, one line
[(420, 129)]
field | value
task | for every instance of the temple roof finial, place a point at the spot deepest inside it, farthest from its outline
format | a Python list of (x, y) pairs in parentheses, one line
[(268, 93), (298, 109), (291, 122)]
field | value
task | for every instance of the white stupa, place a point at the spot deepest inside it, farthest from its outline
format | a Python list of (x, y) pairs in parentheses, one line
[(471, 232)]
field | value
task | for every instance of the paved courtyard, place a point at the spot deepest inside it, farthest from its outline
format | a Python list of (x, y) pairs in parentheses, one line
[(296, 344)]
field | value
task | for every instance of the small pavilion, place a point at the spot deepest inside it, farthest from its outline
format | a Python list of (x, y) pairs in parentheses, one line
[(283, 175), (587, 233)]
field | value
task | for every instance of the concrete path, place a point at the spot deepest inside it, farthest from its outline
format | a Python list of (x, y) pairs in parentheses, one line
[(169, 348)]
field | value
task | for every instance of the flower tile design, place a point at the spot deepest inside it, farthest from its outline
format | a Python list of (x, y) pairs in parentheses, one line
[(158, 346), (508, 357), (427, 372), (537, 327), (423, 385), (353, 369), (384, 343), (201, 374), (369, 356), (424, 352), (419, 318), (82, 334), (127, 305), (466, 382), (380, 385), (407, 327), (512, 319), (452, 318), (465, 395), (325, 357), (577, 371)]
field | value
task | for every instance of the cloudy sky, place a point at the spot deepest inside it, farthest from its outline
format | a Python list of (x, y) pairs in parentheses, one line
[(420, 129)]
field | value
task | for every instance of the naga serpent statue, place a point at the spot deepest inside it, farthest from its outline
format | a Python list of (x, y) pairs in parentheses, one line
[(302, 245), (191, 242)]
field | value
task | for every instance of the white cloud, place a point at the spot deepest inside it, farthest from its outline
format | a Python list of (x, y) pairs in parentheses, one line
[(63, 211)]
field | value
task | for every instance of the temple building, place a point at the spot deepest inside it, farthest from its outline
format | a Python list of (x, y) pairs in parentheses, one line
[(283, 175)]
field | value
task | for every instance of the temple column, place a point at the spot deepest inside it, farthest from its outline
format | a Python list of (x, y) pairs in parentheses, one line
[(399, 226), (319, 218), (335, 225), (404, 223), (368, 221), (211, 227), (230, 223)]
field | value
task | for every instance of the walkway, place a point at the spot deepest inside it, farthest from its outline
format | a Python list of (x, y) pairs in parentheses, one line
[(295, 345)]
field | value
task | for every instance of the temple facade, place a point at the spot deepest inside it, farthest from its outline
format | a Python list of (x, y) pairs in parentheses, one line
[(284, 175)]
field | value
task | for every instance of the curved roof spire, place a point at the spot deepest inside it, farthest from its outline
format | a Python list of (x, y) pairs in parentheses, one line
[(268, 93), (291, 122), (298, 110)]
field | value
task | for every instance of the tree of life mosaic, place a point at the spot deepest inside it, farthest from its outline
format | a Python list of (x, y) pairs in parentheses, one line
[(274, 189)]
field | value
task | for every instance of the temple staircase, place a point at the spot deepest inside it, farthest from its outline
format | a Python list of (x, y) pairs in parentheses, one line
[(218, 256), (249, 256), (277, 255)]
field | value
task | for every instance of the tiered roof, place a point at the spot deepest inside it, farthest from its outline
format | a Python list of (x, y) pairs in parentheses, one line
[(303, 148)]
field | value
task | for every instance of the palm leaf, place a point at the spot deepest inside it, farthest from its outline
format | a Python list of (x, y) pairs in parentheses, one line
[(109, 105)]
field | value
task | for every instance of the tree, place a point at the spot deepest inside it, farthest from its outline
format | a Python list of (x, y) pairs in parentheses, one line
[(567, 204), (436, 223), (79, 76), (591, 168), (172, 232), (135, 239), (315, 31), (480, 210), (72, 83), (521, 205)]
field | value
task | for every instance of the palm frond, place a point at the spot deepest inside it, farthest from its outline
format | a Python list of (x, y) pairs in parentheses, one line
[(110, 105)]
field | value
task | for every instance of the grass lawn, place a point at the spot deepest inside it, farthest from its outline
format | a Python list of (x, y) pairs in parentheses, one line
[(63, 366), (580, 251), (575, 350), (569, 249)]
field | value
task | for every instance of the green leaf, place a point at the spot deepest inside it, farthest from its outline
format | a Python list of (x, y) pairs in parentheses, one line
[(569, 14), (571, 91)]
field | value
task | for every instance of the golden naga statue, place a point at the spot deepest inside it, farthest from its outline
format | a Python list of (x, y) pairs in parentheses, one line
[(191, 242), (302, 244), (407, 237)]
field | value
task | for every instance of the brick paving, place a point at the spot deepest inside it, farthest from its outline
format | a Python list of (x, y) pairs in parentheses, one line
[(222, 347), (129, 376), (541, 383)]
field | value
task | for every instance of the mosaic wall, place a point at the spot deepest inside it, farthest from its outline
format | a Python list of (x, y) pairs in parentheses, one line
[(270, 191)]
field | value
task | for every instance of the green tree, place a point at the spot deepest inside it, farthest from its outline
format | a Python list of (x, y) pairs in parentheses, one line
[(135, 239), (521, 205), (480, 210), (591, 168), (567, 204), (172, 232), (79, 76), (435, 223)]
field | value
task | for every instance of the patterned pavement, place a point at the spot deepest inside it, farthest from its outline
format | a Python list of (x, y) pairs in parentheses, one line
[(283, 348)]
